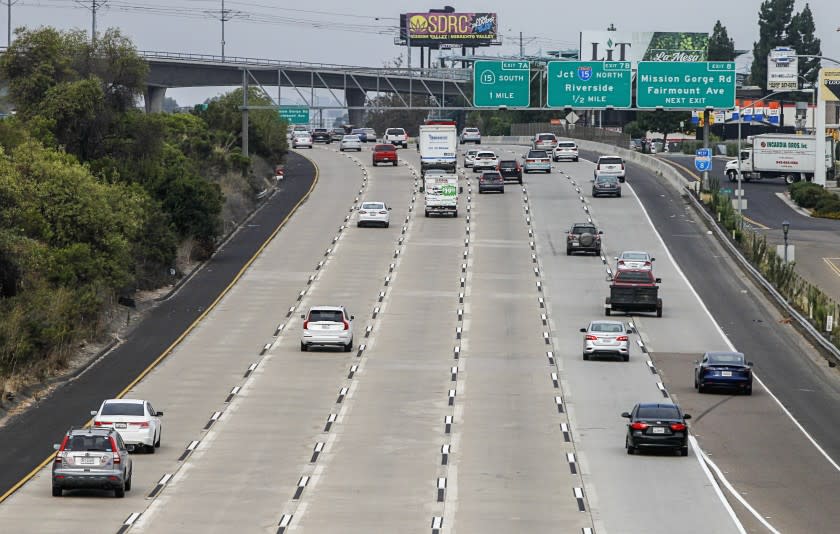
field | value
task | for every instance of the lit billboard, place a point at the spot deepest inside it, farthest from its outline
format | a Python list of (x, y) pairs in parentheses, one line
[(469, 29)]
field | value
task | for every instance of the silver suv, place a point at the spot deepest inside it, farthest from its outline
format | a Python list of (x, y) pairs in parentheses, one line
[(92, 458)]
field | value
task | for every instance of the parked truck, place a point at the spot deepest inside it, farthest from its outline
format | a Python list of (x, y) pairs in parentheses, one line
[(787, 156), (441, 193), (438, 144)]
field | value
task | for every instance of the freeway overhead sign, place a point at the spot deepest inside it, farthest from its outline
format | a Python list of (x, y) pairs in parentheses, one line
[(589, 84), (295, 114), (501, 83), (677, 85)]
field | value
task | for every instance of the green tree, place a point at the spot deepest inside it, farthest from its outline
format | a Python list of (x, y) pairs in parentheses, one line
[(635, 130), (773, 19), (664, 122), (721, 46), (802, 39)]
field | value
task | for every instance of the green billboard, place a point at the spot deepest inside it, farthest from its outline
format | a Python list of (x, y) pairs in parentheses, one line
[(685, 85)]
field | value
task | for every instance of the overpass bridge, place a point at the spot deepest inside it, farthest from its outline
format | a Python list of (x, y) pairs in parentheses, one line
[(347, 85)]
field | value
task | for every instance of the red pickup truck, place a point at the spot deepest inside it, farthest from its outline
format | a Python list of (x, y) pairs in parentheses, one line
[(634, 290), (384, 154)]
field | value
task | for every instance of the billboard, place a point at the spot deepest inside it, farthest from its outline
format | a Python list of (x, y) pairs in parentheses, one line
[(829, 84), (600, 45), (470, 29), (782, 69)]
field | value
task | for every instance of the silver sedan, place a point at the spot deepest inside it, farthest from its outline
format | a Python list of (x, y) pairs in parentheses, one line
[(634, 259), (606, 338)]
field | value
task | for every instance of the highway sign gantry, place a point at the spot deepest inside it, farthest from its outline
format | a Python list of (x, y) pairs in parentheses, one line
[(501, 83), (589, 84), (678, 85), (295, 114)]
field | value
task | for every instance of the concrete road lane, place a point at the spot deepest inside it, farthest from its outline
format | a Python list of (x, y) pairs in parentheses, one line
[(265, 444), (196, 379), (515, 471), (642, 493)]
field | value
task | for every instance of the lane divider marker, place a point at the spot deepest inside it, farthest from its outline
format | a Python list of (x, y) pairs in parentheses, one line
[(250, 370), (302, 482), (134, 516), (550, 356), (567, 435), (444, 454), (651, 367), (547, 338), (555, 381), (570, 456), (191, 447), (375, 312), (161, 483), (232, 393), (353, 369), (362, 348), (454, 373), (458, 333), (437, 524), (341, 394), (457, 352), (452, 393), (441, 489), (662, 389), (558, 400), (447, 422), (330, 420), (542, 302), (265, 348), (213, 419), (579, 497), (285, 521), (368, 330), (319, 446)]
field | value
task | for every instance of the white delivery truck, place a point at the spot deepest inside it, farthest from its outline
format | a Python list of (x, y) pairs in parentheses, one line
[(441, 193), (787, 156), (438, 144)]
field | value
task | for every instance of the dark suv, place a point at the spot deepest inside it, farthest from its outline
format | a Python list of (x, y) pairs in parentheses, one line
[(583, 237), (321, 135), (92, 458), (510, 170)]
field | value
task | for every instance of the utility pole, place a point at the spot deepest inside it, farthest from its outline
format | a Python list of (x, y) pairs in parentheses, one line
[(521, 47), (223, 17), (95, 5), (9, 5)]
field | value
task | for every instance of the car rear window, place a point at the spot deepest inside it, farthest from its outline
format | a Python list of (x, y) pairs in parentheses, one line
[(607, 327), (734, 359), (122, 408), (373, 206), (88, 443), (334, 316), (566, 145), (537, 154), (471, 130), (507, 164), (658, 412), (633, 276), (546, 137), (485, 155), (611, 161), (395, 131), (584, 230), (633, 256), (385, 148), (491, 176)]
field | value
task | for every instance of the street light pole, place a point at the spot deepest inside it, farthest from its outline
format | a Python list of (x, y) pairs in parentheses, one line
[(785, 228)]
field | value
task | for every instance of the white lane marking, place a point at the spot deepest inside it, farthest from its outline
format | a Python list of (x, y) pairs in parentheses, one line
[(131, 518)]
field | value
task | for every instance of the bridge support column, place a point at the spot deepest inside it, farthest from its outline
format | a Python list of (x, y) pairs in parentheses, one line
[(355, 97), (154, 98)]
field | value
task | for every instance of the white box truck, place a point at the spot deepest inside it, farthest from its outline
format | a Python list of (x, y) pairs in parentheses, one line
[(441, 194), (438, 144), (787, 156)]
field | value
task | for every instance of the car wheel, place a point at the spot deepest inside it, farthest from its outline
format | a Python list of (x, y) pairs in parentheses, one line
[(568, 252), (585, 357), (150, 448), (630, 449), (455, 214), (341, 150), (303, 347), (548, 171), (659, 308), (128, 482), (119, 493), (576, 159), (619, 195), (387, 224), (607, 311), (373, 163), (160, 435), (57, 491), (348, 347), (395, 164), (626, 357), (684, 451), (695, 382), (748, 391), (701, 388), (427, 214), (520, 181)]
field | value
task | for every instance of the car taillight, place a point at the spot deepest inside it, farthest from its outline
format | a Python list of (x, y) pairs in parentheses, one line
[(142, 424), (529, 161), (638, 426), (383, 213), (622, 166), (362, 212), (60, 455), (622, 338), (590, 337), (621, 262), (677, 427), (647, 264), (116, 450), (346, 324), (306, 325), (598, 167)]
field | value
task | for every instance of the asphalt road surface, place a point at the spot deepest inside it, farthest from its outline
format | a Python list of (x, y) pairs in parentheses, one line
[(468, 405)]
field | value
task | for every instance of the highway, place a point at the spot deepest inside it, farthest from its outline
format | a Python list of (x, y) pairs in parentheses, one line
[(468, 407)]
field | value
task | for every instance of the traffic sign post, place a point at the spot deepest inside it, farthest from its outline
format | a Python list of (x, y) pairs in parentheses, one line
[(501, 83), (678, 85), (589, 84), (295, 114), (703, 159)]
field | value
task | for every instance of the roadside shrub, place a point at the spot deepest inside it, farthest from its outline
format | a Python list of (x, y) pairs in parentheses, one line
[(807, 194), (828, 203)]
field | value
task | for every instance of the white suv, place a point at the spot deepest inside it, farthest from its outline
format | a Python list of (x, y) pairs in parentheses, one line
[(327, 326), (566, 150), (485, 159), (470, 135), (396, 136), (612, 165)]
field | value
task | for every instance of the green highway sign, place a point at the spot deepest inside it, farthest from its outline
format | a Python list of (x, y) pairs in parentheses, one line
[(685, 85), (501, 83), (589, 84), (295, 114)]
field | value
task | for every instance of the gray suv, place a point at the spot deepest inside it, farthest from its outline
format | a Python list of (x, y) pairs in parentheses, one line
[(95, 458)]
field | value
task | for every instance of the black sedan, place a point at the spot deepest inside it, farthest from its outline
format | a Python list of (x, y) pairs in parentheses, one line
[(656, 426), (510, 170), (491, 181), (725, 370), (605, 184)]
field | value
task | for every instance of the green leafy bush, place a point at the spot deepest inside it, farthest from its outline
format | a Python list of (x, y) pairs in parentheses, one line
[(807, 194)]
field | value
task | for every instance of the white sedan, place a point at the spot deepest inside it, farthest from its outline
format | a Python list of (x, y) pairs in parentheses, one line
[(301, 140), (606, 338), (350, 142), (374, 214), (135, 420), (634, 259)]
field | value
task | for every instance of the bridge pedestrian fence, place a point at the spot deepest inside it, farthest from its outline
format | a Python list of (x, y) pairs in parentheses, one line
[(572, 131)]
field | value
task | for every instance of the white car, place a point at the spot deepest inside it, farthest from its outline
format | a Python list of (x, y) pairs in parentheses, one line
[(613, 165), (545, 141), (606, 338), (302, 140), (485, 159), (396, 137), (634, 259), (566, 150), (469, 157), (327, 326), (350, 142), (135, 420), (470, 135), (374, 214)]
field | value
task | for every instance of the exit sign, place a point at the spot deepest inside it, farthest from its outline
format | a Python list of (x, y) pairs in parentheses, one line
[(501, 83), (685, 85)]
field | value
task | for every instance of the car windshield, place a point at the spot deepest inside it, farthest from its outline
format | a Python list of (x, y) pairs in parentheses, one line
[(334, 316), (373, 206), (486, 155), (632, 276), (640, 256), (727, 358), (122, 408), (394, 131), (537, 154), (658, 412), (88, 443), (607, 327), (546, 137), (584, 230), (507, 164), (610, 161), (384, 148)]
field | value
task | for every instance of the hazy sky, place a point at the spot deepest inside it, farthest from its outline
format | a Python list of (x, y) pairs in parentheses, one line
[(348, 32)]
